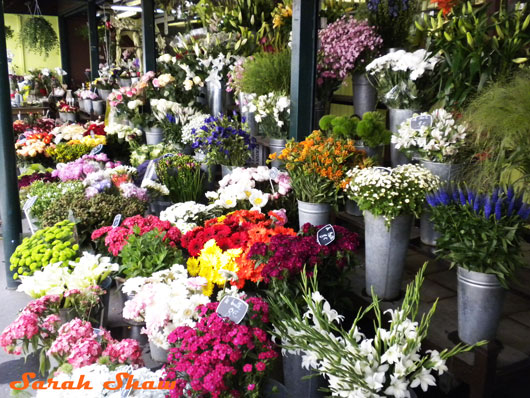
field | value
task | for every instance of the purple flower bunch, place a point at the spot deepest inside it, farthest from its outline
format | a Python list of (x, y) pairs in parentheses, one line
[(500, 204), (224, 140), (27, 180), (80, 168), (346, 45), (285, 256)]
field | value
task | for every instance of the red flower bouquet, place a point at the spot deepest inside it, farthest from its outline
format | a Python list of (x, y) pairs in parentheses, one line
[(218, 358)]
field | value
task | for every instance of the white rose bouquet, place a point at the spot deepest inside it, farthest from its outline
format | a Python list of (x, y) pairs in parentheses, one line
[(188, 215), (403, 79), (440, 142)]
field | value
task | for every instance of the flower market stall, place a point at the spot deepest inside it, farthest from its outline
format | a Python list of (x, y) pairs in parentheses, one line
[(197, 226)]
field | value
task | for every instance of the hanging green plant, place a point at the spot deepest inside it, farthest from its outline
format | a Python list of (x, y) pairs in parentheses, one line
[(38, 36)]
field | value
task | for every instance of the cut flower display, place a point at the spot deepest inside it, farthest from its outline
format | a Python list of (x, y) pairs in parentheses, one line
[(440, 142)]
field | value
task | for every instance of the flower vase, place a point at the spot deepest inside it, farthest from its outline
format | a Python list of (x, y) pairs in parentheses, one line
[(320, 109), (125, 81), (67, 117), (105, 284), (244, 100), (67, 314), (364, 95), (352, 208), (447, 172), (154, 136), (480, 299), (104, 94), (396, 117), (226, 170), (276, 146), (157, 206), (313, 213), (158, 354), (293, 377), (376, 153), (98, 107), (87, 105), (217, 97), (385, 253)]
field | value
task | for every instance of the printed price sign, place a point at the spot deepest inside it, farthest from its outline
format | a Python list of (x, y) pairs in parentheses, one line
[(30, 202), (150, 173), (117, 221), (232, 308), (97, 149), (325, 235), (27, 211), (274, 173), (57, 139), (417, 122), (98, 334)]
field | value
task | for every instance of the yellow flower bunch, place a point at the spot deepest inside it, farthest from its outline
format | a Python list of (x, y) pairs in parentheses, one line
[(280, 13), (94, 141), (214, 264)]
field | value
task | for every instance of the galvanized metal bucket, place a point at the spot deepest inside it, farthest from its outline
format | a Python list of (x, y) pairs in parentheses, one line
[(447, 172), (480, 302), (154, 136), (313, 213), (396, 117), (351, 208), (276, 146), (225, 170), (293, 374), (158, 354), (244, 100), (218, 98), (104, 94), (364, 95), (385, 253)]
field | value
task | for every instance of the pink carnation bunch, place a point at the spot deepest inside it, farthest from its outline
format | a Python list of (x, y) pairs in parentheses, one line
[(116, 238), (80, 168), (219, 358), (79, 344), (38, 321), (346, 45)]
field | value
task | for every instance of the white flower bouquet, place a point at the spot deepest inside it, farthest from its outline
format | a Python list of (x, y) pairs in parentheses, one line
[(250, 188), (123, 132), (149, 152), (188, 215), (194, 123), (272, 113), (402, 79), (390, 192), (68, 132), (440, 142), (166, 300), (357, 365)]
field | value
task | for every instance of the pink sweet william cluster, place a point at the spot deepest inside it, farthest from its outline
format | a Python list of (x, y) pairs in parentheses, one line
[(346, 44), (79, 344), (80, 168), (37, 323), (116, 238), (218, 358)]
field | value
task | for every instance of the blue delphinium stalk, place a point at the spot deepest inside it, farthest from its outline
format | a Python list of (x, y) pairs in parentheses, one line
[(443, 197), (477, 203), (470, 197), (487, 207), (432, 200), (524, 211), (462, 197), (511, 207), (498, 207)]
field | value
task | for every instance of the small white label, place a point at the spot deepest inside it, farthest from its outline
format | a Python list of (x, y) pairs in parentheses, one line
[(150, 172), (30, 202), (117, 221), (416, 123), (97, 149), (57, 139), (274, 173)]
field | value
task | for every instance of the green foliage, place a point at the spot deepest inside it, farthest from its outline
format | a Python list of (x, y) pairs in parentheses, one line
[(499, 121), (477, 243), (93, 213), (38, 36), (339, 126), (48, 192), (49, 245), (372, 130), (65, 152), (182, 175), (8, 32), (148, 253), (267, 72), (248, 20), (477, 48)]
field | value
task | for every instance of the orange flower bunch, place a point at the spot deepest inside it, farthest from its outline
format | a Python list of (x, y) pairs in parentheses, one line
[(238, 230), (317, 165)]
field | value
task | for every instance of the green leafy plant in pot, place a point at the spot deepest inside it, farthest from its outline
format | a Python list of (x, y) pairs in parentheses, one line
[(182, 176)]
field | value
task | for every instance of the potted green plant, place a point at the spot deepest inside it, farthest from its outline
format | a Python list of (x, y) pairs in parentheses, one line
[(390, 198), (267, 72), (481, 234), (38, 36)]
